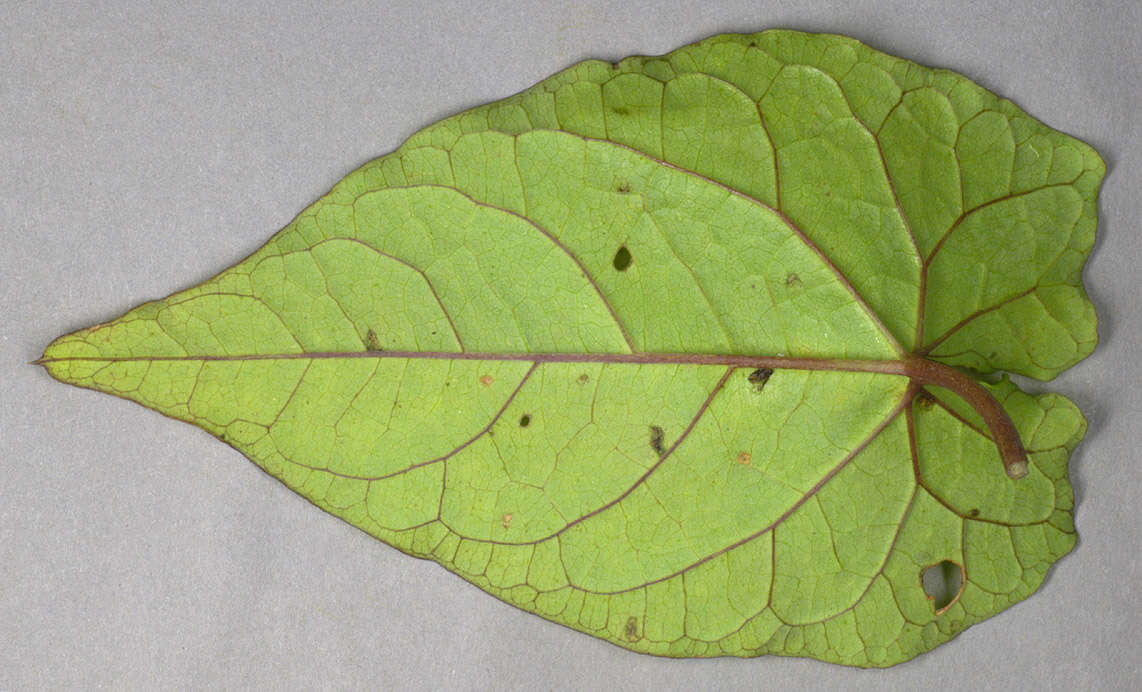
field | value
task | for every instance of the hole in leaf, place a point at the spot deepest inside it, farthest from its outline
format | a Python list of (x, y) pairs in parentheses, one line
[(622, 259), (525, 420), (942, 583)]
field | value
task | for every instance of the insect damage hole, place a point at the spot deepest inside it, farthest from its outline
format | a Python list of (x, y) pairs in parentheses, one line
[(943, 583), (623, 259)]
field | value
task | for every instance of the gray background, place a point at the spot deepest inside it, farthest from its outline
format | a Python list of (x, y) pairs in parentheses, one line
[(143, 150)]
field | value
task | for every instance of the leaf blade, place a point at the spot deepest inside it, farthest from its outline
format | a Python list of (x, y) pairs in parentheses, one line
[(394, 353)]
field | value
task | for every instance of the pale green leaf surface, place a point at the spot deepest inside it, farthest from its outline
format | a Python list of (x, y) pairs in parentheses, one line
[(775, 195)]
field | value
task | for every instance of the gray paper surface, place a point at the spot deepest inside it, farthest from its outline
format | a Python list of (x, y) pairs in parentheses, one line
[(144, 149)]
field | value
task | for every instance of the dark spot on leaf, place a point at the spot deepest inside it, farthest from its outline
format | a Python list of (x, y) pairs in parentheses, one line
[(924, 400), (622, 259), (759, 377), (792, 280), (525, 420), (630, 631), (622, 187), (942, 583), (974, 512), (620, 110), (657, 435), (372, 343), (584, 378)]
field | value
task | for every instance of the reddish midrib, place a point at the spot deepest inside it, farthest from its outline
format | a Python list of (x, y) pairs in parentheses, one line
[(920, 371)]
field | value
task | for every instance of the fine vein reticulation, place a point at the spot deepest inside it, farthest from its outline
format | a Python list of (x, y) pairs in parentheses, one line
[(673, 351)]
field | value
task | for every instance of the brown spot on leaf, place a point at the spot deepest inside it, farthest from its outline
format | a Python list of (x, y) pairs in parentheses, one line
[(657, 436), (622, 187), (372, 343), (630, 631), (525, 420), (792, 280), (584, 378), (507, 520), (759, 377), (973, 513), (924, 400), (623, 259), (744, 458), (487, 380)]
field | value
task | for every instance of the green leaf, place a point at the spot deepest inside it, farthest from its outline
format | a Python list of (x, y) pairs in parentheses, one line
[(677, 352)]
